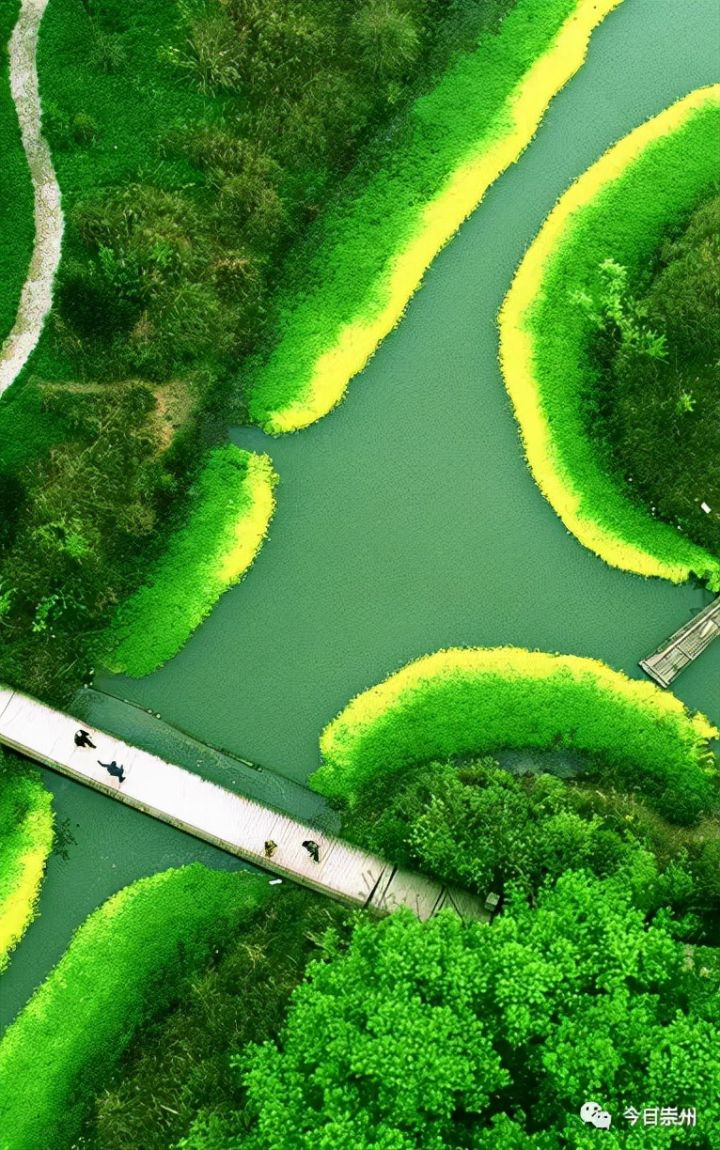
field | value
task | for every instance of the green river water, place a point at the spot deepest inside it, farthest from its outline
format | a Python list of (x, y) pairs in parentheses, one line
[(407, 520)]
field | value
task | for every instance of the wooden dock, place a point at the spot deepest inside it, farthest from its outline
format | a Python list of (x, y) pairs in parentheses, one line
[(683, 646), (229, 821)]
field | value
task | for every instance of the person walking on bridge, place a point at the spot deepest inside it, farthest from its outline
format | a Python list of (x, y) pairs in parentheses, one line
[(313, 849), (82, 739), (117, 772)]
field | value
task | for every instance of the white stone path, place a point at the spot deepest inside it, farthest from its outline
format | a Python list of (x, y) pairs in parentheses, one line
[(36, 297), (227, 820)]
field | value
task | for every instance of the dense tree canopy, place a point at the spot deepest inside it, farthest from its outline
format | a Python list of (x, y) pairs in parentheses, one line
[(659, 396), (452, 1034)]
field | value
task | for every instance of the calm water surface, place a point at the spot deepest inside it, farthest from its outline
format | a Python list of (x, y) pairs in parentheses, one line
[(407, 520)]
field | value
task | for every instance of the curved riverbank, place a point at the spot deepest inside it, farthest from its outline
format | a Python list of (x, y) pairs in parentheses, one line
[(375, 246), (230, 511), (125, 963), (26, 839), (475, 701), (618, 210)]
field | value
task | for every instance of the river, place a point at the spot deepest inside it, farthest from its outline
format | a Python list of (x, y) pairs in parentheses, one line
[(407, 520)]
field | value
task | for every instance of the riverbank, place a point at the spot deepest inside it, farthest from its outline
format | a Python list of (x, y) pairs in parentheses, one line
[(230, 508), (473, 702), (125, 964), (619, 210), (368, 254), (26, 839)]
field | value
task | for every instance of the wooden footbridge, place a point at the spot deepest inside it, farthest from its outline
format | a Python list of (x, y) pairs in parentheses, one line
[(229, 821), (683, 646)]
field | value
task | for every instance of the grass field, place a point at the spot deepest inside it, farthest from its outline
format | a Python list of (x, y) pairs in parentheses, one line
[(99, 139)]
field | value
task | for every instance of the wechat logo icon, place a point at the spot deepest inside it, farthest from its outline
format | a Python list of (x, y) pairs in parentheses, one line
[(593, 1114)]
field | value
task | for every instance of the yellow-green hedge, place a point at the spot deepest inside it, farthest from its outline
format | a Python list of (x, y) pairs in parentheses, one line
[(231, 508), (125, 963), (372, 248), (474, 701), (619, 208), (26, 839)]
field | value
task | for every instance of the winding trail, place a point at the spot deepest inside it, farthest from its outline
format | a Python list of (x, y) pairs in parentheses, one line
[(36, 296)]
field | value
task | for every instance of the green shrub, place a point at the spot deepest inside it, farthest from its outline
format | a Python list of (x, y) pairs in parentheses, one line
[(476, 825), (26, 838), (416, 1036), (475, 701), (230, 510), (645, 402), (125, 964), (17, 227), (480, 827)]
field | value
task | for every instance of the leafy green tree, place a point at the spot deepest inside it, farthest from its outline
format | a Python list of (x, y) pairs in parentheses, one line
[(386, 37), (655, 407), (421, 1036), (482, 827)]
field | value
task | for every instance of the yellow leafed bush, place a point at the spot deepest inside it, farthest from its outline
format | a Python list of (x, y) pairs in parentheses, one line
[(376, 245), (26, 838)]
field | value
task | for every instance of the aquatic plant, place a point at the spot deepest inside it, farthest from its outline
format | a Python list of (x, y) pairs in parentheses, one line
[(26, 839), (123, 966)]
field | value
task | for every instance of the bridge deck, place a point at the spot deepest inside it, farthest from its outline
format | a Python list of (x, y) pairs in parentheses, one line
[(683, 646), (230, 821)]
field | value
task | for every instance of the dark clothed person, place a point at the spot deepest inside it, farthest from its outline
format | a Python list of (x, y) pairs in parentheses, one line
[(82, 739), (117, 772), (313, 849)]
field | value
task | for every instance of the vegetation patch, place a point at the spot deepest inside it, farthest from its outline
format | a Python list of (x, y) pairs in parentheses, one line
[(656, 405), (194, 143), (368, 253), (230, 510), (177, 1071), (124, 965), (17, 226), (618, 210), (458, 1034), (476, 825), (474, 701), (26, 839)]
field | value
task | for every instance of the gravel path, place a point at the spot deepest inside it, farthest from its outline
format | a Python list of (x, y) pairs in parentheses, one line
[(36, 297)]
